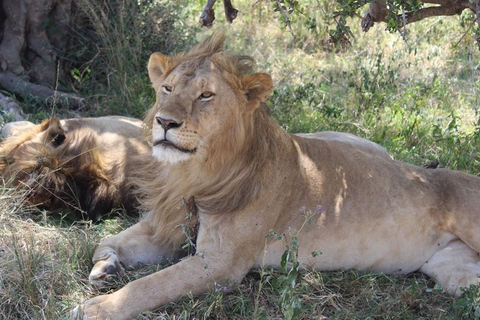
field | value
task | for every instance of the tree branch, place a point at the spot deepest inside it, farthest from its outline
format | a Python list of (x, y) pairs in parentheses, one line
[(455, 3), (287, 20), (13, 83), (432, 12), (208, 15), (230, 11), (378, 12)]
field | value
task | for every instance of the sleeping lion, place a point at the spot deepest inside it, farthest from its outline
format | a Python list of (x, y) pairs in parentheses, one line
[(227, 173), (84, 164)]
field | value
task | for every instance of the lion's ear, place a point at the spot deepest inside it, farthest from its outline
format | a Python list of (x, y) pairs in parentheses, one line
[(258, 86), (158, 65), (53, 132)]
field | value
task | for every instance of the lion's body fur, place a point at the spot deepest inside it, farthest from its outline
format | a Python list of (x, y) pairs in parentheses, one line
[(83, 164), (215, 145)]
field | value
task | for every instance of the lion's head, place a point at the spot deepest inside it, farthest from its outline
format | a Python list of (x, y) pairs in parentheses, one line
[(71, 163), (200, 98)]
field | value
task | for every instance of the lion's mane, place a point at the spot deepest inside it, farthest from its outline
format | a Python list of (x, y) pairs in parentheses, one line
[(228, 179), (65, 170)]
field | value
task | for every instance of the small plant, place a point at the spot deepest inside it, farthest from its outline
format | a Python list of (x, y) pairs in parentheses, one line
[(190, 227), (286, 284), (468, 306)]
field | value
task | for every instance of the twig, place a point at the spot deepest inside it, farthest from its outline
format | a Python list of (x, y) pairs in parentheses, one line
[(404, 33), (470, 53), (465, 33), (287, 20), (256, 3)]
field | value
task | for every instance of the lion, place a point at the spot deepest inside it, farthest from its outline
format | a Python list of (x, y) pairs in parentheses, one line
[(221, 161), (85, 164)]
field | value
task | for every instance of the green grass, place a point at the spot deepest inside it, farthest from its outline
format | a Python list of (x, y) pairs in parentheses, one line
[(419, 99)]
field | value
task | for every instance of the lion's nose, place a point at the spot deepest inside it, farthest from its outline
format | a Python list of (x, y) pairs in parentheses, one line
[(167, 123)]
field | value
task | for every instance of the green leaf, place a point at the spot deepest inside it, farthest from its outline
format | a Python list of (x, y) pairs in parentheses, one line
[(316, 253), (283, 261)]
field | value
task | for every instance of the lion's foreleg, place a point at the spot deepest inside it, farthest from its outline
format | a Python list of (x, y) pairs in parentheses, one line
[(131, 247), (194, 275), (454, 267), (222, 258)]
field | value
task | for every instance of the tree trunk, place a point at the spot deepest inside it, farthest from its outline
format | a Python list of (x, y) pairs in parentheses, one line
[(33, 43)]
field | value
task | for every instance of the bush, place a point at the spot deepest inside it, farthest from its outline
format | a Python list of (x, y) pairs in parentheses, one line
[(113, 42)]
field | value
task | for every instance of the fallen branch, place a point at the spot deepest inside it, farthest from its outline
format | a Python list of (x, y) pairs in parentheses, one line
[(15, 84)]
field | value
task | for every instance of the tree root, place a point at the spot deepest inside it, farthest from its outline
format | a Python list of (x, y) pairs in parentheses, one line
[(25, 89)]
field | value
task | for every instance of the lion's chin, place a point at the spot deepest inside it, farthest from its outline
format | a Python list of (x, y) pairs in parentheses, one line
[(169, 155)]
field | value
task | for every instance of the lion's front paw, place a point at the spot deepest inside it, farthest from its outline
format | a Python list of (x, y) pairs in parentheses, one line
[(107, 265), (98, 308)]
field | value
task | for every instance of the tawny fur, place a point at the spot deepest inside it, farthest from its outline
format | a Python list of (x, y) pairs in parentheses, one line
[(71, 163), (228, 179), (216, 147)]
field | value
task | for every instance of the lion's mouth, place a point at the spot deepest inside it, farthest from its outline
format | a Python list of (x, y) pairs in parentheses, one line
[(169, 144)]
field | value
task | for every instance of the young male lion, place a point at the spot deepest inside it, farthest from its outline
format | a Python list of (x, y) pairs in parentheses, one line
[(84, 164), (240, 175)]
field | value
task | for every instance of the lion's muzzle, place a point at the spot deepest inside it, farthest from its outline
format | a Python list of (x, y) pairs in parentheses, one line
[(167, 123), (168, 144)]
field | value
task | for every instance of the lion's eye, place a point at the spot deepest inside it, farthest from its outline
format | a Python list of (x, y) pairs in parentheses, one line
[(207, 95), (166, 89)]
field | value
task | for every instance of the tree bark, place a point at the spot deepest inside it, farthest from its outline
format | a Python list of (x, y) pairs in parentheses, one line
[(377, 11), (24, 88), (33, 43), (477, 36), (208, 14)]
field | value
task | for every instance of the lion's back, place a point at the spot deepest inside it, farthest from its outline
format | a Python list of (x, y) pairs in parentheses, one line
[(347, 140)]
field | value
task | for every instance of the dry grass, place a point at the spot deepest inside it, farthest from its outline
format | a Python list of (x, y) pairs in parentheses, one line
[(45, 259)]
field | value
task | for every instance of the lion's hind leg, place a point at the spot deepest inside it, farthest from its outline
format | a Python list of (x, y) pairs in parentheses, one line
[(130, 248), (453, 267)]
